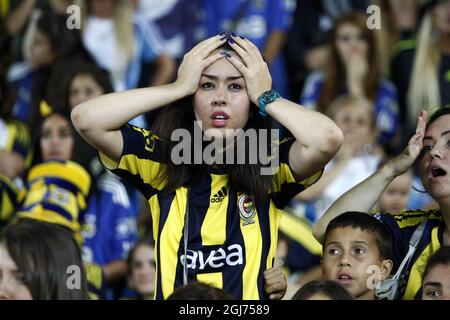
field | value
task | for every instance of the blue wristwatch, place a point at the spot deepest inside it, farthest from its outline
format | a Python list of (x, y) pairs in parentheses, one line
[(266, 98)]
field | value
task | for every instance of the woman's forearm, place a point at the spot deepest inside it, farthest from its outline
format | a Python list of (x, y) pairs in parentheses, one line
[(361, 198), (109, 112), (312, 129)]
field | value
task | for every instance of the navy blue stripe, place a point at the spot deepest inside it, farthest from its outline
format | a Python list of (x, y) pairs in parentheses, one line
[(140, 146), (287, 191), (135, 179), (11, 194), (264, 224), (20, 149), (60, 183), (165, 202), (55, 208), (232, 277)]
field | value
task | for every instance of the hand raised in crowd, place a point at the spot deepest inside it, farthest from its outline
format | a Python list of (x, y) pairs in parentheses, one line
[(253, 67), (195, 61), (275, 284), (406, 159), (357, 70)]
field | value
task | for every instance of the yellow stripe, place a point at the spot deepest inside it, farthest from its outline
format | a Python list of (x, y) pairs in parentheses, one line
[(253, 249), (413, 218), (69, 171), (415, 277), (214, 279), (155, 212), (284, 175), (299, 231), (214, 226), (170, 240), (274, 220), (148, 170), (7, 208), (12, 133), (4, 8)]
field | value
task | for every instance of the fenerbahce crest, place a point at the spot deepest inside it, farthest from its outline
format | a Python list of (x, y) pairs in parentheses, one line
[(246, 208)]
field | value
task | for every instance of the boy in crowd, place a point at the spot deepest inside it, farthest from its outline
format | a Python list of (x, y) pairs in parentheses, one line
[(356, 253)]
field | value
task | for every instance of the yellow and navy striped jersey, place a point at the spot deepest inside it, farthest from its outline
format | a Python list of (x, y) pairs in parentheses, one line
[(56, 192), (8, 199), (14, 137), (230, 241), (402, 227)]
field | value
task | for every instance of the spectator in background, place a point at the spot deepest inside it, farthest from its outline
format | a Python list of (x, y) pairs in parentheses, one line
[(422, 72), (177, 21), (15, 153), (396, 196), (120, 42), (48, 42), (307, 40), (78, 82), (106, 220), (36, 261), (263, 22), (141, 271), (356, 160), (436, 277), (354, 68), (322, 290), (18, 16), (398, 23)]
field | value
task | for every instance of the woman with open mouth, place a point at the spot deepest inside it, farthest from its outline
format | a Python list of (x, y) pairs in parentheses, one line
[(212, 223)]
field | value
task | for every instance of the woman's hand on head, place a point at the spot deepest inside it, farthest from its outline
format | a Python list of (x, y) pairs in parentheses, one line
[(406, 159), (195, 61), (253, 67)]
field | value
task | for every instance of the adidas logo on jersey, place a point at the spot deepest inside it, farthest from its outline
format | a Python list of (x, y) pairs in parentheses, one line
[(220, 195)]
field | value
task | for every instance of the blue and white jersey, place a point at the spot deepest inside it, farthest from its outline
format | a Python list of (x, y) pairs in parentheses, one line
[(386, 103), (110, 223)]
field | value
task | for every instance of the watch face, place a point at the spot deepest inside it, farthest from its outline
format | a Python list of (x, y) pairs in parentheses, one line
[(269, 96)]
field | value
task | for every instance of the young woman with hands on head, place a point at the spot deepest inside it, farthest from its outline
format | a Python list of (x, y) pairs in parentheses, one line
[(214, 223)]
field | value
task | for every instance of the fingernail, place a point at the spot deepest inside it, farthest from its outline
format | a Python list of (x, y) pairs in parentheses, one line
[(233, 34), (228, 55), (222, 34), (223, 53), (230, 41), (241, 37)]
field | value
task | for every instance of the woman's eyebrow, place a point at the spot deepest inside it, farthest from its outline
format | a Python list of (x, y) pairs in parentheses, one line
[(215, 77), (442, 135)]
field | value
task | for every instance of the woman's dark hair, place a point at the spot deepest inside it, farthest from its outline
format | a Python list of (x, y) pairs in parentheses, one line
[(242, 177), (437, 114), (67, 45), (199, 291), (329, 288), (335, 72), (37, 154), (441, 256), (64, 76), (43, 253)]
